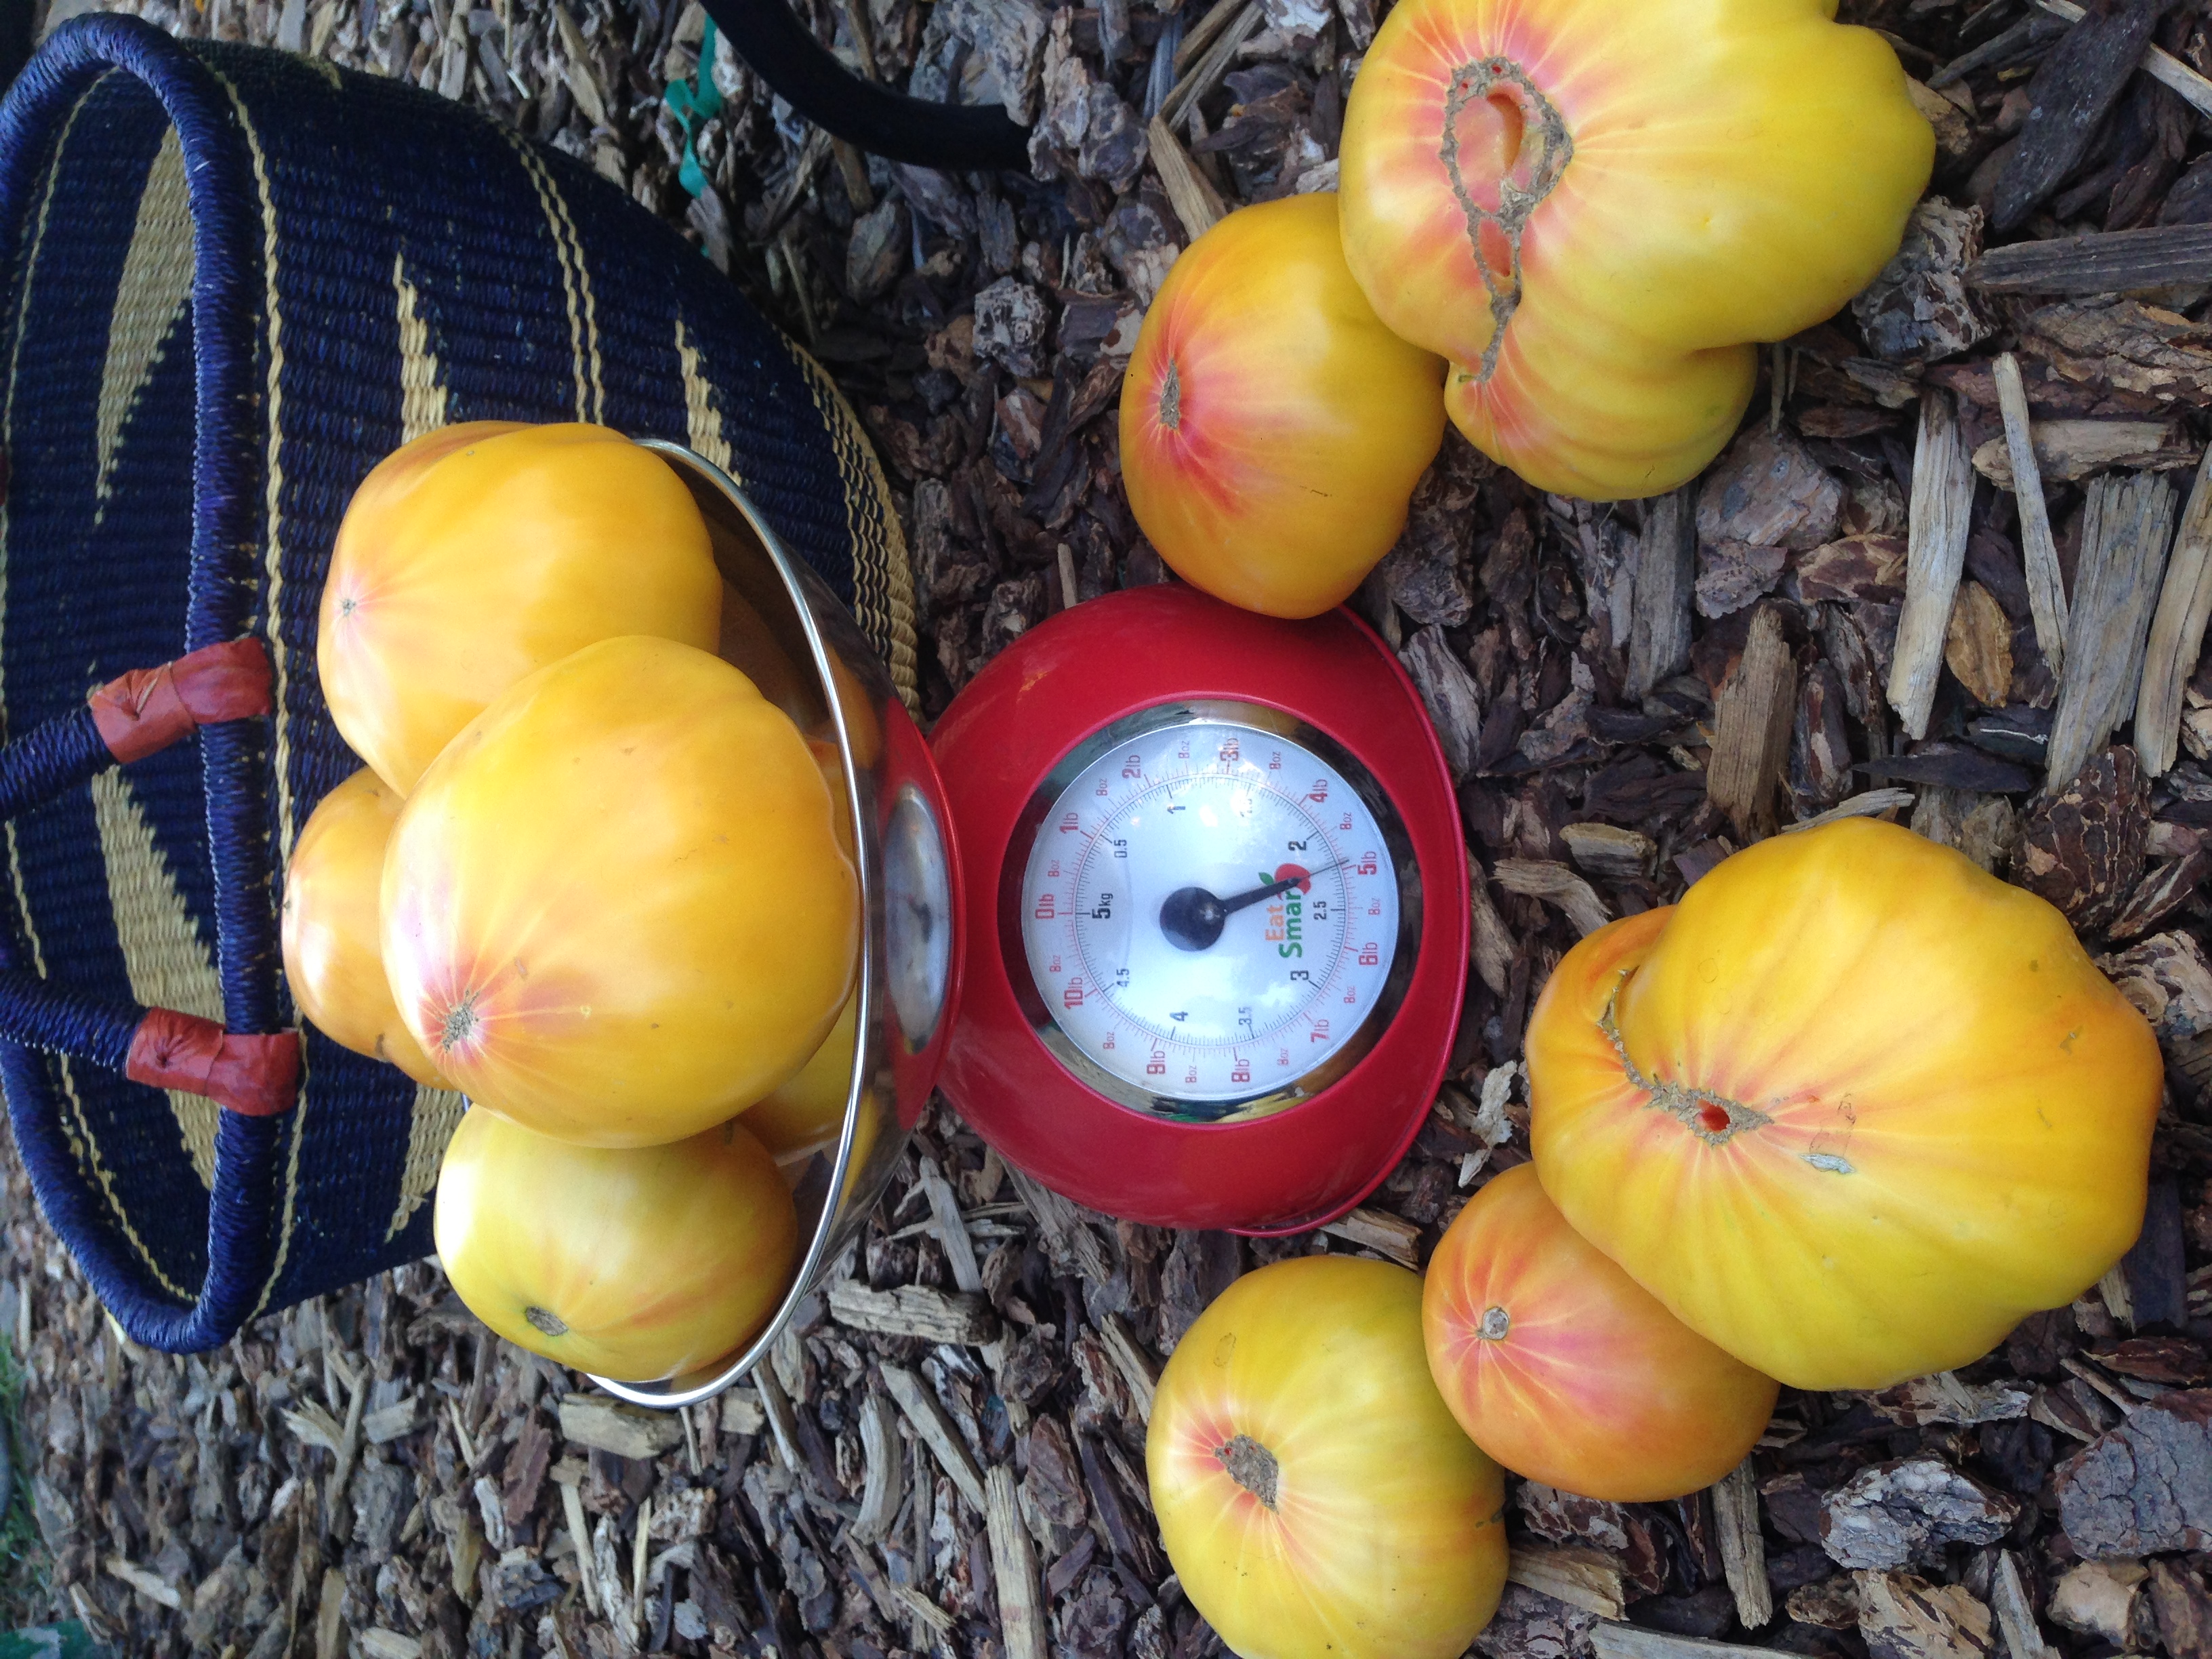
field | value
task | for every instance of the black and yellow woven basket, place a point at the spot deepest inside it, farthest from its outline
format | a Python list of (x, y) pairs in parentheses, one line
[(235, 280)]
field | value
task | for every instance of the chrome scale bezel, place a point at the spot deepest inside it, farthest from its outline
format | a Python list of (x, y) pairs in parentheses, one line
[(1262, 720)]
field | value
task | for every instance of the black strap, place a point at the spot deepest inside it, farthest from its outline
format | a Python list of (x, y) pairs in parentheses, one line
[(17, 19), (784, 53)]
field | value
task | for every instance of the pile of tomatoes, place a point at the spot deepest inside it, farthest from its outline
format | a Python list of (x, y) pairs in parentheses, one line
[(1841, 1116), (1326, 1446), (1560, 225), (590, 877)]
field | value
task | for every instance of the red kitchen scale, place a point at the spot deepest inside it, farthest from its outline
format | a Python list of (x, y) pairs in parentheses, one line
[(1214, 934)]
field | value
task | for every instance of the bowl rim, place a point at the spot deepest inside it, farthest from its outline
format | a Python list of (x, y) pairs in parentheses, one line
[(805, 591)]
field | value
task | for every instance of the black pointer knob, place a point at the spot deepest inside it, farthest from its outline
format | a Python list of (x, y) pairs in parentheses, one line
[(1193, 918)]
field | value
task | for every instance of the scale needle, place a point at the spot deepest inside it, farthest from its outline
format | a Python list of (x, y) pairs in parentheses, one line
[(1192, 917)]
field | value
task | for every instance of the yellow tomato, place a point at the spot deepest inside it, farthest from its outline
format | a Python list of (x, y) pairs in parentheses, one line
[(1271, 428), (616, 910), (808, 1108), (1315, 1498), (1590, 209), (749, 644), (1851, 1109), (636, 1264), (481, 553), (1563, 1369), (331, 953), (831, 761)]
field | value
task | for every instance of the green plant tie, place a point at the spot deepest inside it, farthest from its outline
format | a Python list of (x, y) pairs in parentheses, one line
[(694, 103)]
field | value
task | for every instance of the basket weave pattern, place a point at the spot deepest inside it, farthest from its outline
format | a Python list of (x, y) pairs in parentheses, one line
[(234, 281)]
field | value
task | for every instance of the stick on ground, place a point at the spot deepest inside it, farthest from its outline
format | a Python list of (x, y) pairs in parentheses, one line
[(1666, 579), (1190, 193), (1743, 1548), (1013, 1564), (1751, 734), (1935, 552), (2125, 528), (2177, 630), (2047, 586)]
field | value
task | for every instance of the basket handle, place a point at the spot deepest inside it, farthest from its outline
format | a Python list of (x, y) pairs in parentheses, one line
[(254, 1076), (134, 715)]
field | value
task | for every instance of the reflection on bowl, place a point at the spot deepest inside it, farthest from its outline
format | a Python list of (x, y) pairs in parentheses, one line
[(835, 1127), (809, 1109)]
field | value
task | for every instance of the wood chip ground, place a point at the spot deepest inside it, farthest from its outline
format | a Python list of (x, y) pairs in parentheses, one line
[(1851, 613)]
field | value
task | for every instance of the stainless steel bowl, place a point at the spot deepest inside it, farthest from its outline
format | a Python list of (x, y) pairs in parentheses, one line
[(810, 658)]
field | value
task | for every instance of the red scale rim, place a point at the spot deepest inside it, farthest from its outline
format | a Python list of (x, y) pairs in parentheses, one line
[(1072, 677)]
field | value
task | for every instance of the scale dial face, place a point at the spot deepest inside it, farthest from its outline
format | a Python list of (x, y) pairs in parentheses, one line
[(1214, 911)]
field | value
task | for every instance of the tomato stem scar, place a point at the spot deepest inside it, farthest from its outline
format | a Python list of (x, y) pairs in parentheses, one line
[(460, 1025), (1252, 1467), (1496, 1323), (1713, 1118), (1534, 152), (1171, 398), (550, 1323)]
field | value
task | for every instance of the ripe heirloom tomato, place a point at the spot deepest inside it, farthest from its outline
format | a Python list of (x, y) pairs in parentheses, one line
[(1562, 1368), (481, 553), (831, 762), (748, 645), (1592, 209), (332, 956), (1851, 1109), (639, 1264), (807, 1109), (1315, 1498), (1271, 428), (615, 910)]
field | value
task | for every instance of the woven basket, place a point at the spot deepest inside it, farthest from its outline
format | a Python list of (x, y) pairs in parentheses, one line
[(235, 280)]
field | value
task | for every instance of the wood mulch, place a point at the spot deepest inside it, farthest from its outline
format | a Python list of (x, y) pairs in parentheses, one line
[(1626, 694)]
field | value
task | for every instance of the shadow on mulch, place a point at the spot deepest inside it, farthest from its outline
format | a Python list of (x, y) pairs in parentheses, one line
[(26, 1579)]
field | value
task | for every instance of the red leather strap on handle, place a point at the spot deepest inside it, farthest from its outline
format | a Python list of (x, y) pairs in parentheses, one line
[(256, 1076), (150, 708)]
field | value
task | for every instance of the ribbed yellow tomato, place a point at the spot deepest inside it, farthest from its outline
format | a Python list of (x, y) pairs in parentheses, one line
[(637, 1264), (1590, 209), (1271, 428), (1315, 1498), (481, 553), (333, 957), (615, 910), (1850, 1109), (1565, 1370), (808, 1108)]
